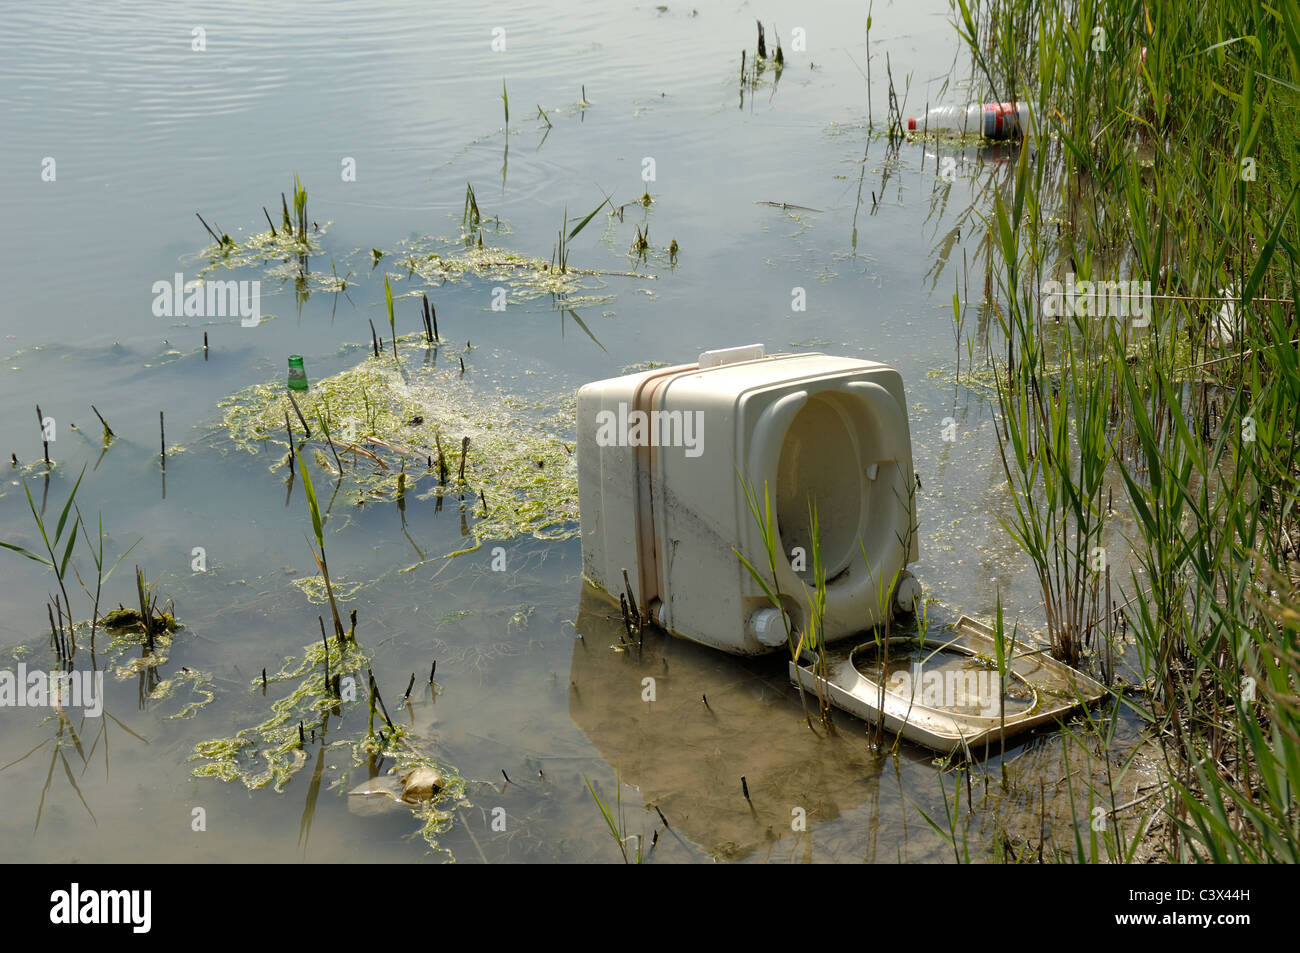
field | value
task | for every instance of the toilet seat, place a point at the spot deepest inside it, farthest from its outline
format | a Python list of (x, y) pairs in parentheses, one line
[(873, 427)]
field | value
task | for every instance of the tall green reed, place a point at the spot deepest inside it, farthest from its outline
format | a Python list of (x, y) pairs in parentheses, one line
[(806, 640), (57, 553), (318, 529), (615, 821), (1166, 151)]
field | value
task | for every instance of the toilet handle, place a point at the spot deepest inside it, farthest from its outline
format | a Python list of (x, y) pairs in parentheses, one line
[(897, 446), (887, 409), (764, 453)]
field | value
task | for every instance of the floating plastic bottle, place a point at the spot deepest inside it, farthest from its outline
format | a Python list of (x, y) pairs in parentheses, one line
[(297, 375), (990, 120)]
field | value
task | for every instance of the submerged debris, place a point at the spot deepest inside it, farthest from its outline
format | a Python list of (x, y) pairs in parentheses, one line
[(412, 786)]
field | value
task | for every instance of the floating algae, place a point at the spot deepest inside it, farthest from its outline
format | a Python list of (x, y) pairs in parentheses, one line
[(201, 689), (400, 430), (131, 653), (313, 587), (271, 752), (439, 261), (265, 753), (124, 618), (282, 256), (643, 366)]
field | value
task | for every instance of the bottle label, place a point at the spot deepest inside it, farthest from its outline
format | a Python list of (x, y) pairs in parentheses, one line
[(1001, 120)]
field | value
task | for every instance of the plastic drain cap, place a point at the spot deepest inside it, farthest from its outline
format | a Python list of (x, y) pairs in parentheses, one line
[(907, 593), (768, 626)]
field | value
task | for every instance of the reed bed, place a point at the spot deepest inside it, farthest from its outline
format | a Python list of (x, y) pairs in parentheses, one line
[(1153, 460)]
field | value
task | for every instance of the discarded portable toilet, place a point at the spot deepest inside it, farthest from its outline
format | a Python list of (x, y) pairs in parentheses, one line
[(661, 459)]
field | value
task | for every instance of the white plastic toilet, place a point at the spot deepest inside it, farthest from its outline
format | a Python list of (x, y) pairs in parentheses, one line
[(661, 457)]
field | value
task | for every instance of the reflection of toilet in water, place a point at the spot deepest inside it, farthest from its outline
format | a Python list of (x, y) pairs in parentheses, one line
[(661, 459), (713, 720)]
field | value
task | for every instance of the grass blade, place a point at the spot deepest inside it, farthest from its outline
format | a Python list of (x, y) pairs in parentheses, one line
[(310, 492), (581, 225)]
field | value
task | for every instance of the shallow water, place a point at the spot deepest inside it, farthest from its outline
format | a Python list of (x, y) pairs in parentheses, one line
[(144, 131)]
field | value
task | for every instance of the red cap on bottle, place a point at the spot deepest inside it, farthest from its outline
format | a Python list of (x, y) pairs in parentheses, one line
[(911, 123)]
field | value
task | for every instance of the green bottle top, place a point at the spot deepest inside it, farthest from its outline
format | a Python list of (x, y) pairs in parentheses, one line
[(297, 376)]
